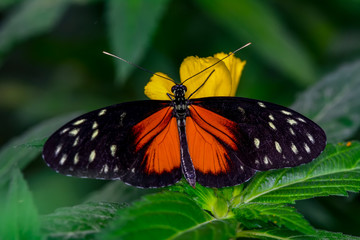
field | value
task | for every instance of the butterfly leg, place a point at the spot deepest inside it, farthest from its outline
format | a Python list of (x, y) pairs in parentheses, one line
[(186, 162)]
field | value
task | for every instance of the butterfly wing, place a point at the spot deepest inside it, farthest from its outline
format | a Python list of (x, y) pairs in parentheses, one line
[(238, 136), (123, 141)]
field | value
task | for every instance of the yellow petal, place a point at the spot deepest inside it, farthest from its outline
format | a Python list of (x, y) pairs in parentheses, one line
[(158, 87), (235, 66), (218, 84)]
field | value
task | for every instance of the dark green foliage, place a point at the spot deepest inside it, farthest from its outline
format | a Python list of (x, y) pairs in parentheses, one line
[(79, 222), (19, 218), (138, 19), (272, 233), (334, 103), (265, 30)]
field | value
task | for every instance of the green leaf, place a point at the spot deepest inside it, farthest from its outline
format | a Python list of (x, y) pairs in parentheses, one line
[(167, 216), (23, 149), (268, 34), (19, 218), (29, 19), (268, 234), (117, 191), (334, 102), (131, 25), (36, 143), (280, 234), (280, 215), (327, 235), (216, 201), (203, 196), (335, 172), (79, 222)]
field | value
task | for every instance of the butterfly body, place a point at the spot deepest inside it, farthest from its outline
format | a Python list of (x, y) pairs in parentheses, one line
[(216, 141), (180, 110)]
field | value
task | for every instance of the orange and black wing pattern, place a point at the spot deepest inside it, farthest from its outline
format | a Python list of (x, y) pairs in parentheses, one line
[(136, 142), (214, 145), (231, 138)]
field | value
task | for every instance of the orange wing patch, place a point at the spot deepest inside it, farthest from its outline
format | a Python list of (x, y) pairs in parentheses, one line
[(204, 129), (159, 134)]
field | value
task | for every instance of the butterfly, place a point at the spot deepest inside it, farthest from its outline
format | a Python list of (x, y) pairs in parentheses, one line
[(213, 141)]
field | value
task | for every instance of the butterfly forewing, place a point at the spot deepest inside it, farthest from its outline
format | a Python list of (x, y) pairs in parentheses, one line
[(101, 144), (269, 136)]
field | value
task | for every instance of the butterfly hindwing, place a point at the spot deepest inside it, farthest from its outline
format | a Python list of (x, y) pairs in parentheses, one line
[(214, 148), (104, 144), (254, 135)]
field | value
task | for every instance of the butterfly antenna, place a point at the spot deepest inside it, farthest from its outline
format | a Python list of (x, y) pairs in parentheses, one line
[(135, 65), (201, 84), (232, 53)]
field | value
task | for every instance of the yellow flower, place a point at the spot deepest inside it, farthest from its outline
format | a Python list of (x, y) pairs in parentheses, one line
[(223, 82)]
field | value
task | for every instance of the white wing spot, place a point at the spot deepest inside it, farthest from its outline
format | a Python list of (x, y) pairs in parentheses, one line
[(272, 125), (63, 159), (58, 149), (291, 121), (257, 142), (76, 158), (271, 117), (133, 170), (116, 169), (266, 160), (241, 110), (286, 112), (122, 116), (102, 112), (257, 162), (310, 137), (292, 131), (78, 122), (307, 149), (74, 132), (92, 156), (76, 141), (242, 168), (106, 168), (95, 125), (64, 130), (294, 148), (278, 147), (95, 133), (261, 104), (301, 120), (113, 150)]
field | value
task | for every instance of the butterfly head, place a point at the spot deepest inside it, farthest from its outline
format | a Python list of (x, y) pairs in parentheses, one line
[(179, 90)]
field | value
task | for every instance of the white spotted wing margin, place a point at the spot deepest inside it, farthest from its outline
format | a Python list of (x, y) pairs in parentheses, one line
[(98, 144), (271, 136)]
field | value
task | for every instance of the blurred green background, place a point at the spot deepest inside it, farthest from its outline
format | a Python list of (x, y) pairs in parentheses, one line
[(51, 63)]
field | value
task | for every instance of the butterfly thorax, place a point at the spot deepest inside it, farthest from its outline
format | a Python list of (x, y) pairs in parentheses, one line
[(180, 102)]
